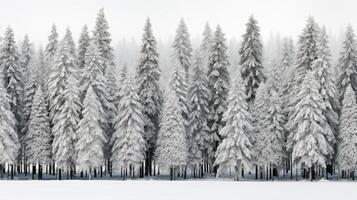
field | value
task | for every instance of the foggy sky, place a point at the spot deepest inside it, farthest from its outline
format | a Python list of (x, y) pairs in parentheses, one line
[(126, 17)]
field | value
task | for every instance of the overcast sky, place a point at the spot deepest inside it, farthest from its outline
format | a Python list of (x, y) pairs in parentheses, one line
[(126, 17)]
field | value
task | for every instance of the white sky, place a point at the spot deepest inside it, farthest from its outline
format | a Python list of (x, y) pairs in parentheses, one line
[(126, 17)]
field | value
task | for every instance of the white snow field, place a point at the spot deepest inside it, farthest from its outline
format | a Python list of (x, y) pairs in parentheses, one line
[(177, 190)]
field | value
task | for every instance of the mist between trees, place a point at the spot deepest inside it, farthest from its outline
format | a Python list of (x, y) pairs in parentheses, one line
[(72, 111)]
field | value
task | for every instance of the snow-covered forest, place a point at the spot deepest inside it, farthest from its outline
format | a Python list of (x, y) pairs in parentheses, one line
[(214, 110)]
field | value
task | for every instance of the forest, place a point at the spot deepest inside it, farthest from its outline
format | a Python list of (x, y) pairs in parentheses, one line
[(70, 111)]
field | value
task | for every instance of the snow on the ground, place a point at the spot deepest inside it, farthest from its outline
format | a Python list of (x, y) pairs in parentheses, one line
[(176, 190)]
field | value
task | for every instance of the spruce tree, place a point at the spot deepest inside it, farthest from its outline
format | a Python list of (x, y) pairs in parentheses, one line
[(218, 84), (9, 142), (26, 56), (198, 100), (251, 59), (83, 45), (236, 149), (129, 146), (52, 44), (171, 147), (148, 77), (347, 137), (348, 63), (101, 38), (182, 47), (311, 137), (206, 43), (29, 94), (90, 134), (38, 138)]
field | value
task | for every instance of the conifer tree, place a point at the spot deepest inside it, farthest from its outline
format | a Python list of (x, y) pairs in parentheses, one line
[(38, 138), (205, 44), (347, 63), (26, 56), (311, 137), (347, 138), (90, 134), (9, 142), (198, 111), (171, 148), (129, 146), (29, 94), (83, 45), (323, 73), (218, 84), (182, 47), (102, 40), (148, 77), (52, 44), (251, 59), (236, 149)]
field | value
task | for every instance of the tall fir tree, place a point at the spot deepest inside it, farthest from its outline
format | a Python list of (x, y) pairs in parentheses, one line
[(236, 149), (101, 38), (171, 148), (9, 141), (52, 45), (206, 43), (310, 135), (128, 141), (151, 98), (26, 56), (182, 47), (83, 45), (91, 136), (218, 84), (347, 137), (251, 59), (198, 95), (38, 138), (348, 63)]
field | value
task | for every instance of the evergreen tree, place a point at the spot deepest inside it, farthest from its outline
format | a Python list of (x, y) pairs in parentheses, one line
[(83, 45), (236, 149), (182, 47), (90, 134), (26, 56), (128, 142), (206, 43), (218, 84), (9, 142), (148, 77), (323, 73), (348, 63), (198, 101), (13, 80), (52, 45), (171, 148), (347, 138), (38, 138), (310, 135), (72, 46), (251, 59), (101, 38)]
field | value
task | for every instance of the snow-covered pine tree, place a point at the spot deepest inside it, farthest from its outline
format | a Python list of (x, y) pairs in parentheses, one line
[(218, 84), (52, 45), (72, 46), (12, 74), (324, 75), (171, 147), (90, 134), (182, 47), (38, 139), (9, 142), (123, 74), (198, 111), (151, 97), (348, 63), (83, 45), (101, 38), (347, 138), (251, 59), (26, 56), (236, 149), (128, 142), (311, 137), (205, 44)]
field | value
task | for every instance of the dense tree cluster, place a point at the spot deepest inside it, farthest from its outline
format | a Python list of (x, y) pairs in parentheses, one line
[(64, 110)]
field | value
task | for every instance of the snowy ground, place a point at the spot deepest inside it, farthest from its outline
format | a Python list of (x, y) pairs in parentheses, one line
[(178, 190)]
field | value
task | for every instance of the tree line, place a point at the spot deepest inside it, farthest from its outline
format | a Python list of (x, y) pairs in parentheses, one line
[(65, 111)]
